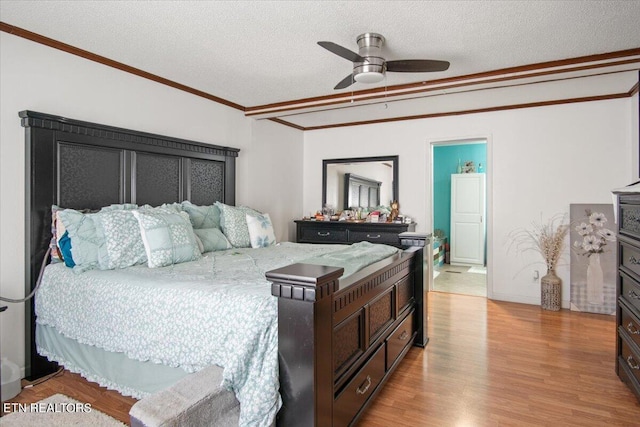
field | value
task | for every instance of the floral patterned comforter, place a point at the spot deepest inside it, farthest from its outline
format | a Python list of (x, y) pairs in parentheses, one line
[(217, 310)]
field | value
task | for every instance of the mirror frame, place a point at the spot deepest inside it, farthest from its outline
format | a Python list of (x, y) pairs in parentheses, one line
[(392, 159)]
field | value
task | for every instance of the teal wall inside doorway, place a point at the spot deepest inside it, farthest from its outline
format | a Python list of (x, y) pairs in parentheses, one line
[(445, 163)]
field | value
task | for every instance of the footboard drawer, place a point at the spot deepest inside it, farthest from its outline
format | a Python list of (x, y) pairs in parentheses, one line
[(399, 339), (359, 389)]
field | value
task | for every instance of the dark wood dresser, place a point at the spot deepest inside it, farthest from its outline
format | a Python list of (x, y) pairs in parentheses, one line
[(347, 232), (628, 291)]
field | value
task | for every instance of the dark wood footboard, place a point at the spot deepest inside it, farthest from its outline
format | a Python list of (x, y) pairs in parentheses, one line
[(339, 340)]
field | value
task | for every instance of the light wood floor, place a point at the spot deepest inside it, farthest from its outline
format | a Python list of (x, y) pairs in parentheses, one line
[(487, 364)]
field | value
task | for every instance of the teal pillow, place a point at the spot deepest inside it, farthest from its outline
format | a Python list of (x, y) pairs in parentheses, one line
[(260, 230), (64, 243), (233, 223), (202, 216), (85, 239), (212, 239), (167, 236)]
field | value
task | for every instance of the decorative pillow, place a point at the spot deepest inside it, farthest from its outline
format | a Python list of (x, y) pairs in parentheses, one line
[(202, 216), (260, 230), (56, 253), (199, 242), (64, 244), (123, 246), (168, 237), (120, 207), (233, 223), (212, 239), (85, 239), (175, 206)]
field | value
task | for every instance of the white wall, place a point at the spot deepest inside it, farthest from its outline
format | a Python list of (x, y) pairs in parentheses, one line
[(276, 170), (539, 161), (39, 78)]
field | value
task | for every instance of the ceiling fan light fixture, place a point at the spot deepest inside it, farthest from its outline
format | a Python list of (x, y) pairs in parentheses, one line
[(369, 77), (371, 71)]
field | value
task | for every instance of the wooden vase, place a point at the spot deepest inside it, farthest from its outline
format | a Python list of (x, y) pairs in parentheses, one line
[(551, 291)]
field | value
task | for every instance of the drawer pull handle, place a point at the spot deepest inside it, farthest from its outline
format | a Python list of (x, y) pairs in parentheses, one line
[(369, 236), (632, 363), (324, 234), (361, 390), (403, 336), (633, 260), (634, 295), (632, 329)]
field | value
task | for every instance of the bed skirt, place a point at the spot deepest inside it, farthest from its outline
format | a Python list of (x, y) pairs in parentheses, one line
[(112, 370)]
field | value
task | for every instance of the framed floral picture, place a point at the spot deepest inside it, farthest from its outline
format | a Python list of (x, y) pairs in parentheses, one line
[(593, 258)]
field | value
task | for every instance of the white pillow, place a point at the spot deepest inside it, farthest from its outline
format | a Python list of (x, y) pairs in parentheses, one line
[(260, 230)]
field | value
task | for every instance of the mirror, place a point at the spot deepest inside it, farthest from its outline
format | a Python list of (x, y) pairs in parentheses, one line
[(359, 182)]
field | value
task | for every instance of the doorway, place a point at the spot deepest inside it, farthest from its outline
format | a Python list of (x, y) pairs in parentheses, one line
[(459, 216)]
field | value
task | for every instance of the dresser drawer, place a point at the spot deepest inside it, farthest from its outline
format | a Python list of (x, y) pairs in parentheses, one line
[(630, 257), (627, 377), (630, 218), (630, 291), (399, 339), (323, 235), (374, 236), (629, 325), (359, 389), (630, 359)]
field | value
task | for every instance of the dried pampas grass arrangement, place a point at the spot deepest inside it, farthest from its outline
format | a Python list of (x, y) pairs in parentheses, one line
[(546, 238)]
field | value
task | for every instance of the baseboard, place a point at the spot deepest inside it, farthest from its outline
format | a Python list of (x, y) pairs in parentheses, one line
[(523, 299)]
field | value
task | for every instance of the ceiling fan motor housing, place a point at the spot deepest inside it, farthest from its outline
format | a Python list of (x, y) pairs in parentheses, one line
[(370, 48)]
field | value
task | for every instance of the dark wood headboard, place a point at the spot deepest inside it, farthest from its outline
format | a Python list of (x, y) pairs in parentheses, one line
[(82, 165)]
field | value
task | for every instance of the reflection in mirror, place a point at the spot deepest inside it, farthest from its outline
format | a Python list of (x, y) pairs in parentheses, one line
[(363, 182)]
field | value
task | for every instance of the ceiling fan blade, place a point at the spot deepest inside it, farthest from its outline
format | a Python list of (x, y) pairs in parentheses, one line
[(346, 82), (416, 65), (342, 51)]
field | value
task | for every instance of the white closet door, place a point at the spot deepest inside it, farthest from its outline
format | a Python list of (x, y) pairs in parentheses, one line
[(467, 218)]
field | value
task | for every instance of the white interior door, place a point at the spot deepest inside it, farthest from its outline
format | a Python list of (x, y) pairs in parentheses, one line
[(467, 218)]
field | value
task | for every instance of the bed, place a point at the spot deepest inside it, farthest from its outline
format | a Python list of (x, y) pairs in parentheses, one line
[(339, 336)]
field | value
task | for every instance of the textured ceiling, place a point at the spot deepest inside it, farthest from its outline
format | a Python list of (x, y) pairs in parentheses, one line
[(261, 52)]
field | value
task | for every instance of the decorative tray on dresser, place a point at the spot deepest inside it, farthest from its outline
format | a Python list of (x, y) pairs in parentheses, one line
[(347, 232), (628, 291)]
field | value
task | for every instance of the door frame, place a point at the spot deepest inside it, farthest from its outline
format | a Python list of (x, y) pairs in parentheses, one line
[(461, 140)]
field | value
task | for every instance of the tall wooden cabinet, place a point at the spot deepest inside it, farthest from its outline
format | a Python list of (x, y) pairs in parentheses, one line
[(628, 291)]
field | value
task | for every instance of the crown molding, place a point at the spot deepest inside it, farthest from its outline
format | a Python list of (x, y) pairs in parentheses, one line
[(464, 112), (550, 68), (34, 37)]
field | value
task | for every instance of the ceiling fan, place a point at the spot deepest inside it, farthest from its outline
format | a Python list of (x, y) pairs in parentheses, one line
[(369, 66)]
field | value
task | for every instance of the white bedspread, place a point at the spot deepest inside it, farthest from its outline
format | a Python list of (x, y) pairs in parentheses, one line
[(217, 310)]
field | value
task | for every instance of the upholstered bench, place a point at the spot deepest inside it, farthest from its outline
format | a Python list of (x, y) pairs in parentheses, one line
[(196, 400)]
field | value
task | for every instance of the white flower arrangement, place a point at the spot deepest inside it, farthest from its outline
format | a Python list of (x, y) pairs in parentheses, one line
[(594, 234)]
